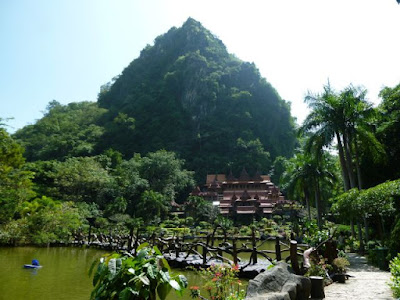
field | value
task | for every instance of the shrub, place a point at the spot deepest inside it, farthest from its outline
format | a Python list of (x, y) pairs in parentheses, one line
[(123, 276), (340, 265), (245, 230), (395, 272), (345, 229), (221, 283), (205, 225), (319, 268)]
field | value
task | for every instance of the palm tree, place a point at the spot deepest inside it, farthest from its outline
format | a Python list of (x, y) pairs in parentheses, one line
[(305, 173), (295, 179), (345, 117), (325, 123), (358, 116)]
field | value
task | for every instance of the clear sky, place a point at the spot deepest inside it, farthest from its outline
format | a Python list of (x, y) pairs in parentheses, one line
[(66, 49)]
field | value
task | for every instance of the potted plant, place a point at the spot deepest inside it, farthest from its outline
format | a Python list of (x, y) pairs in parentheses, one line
[(340, 265)]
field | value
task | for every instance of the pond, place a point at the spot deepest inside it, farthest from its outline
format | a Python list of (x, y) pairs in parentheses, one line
[(64, 275)]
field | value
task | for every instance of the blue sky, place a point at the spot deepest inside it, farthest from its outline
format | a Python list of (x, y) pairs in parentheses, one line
[(65, 50)]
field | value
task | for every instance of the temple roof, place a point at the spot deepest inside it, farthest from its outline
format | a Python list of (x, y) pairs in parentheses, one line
[(244, 176)]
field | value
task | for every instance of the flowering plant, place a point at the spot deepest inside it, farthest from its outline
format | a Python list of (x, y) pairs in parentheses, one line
[(221, 283)]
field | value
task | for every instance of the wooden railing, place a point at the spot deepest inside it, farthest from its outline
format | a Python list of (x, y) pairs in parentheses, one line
[(204, 247)]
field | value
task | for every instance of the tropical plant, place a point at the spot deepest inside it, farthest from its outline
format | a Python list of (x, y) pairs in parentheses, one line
[(144, 276)]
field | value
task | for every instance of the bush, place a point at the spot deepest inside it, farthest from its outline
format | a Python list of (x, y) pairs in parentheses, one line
[(340, 265), (394, 242), (395, 272), (245, 230), (345, 229), (205, 225), (221, 283)]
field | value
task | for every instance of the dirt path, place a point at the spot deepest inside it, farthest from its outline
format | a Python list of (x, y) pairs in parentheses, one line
[(368, 282)]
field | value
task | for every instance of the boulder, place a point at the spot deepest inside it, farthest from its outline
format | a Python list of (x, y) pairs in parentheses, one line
[(279, 283)]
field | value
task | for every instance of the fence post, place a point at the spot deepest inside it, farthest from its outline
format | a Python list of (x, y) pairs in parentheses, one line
[(220, 253), (293, 257), (204, 254), (234, 251), (130, 240), (253, 240), (136, 240), (205, 250), (177, 247), (278, 249)]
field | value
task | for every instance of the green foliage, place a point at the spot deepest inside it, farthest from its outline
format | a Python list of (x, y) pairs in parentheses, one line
[(15, 181), (43, 221), (64, 131), (394, 242), (221, 283), (144, 276), (197, 208), (160, 172), (313, 235), (278, 168), (165, 174), (395, 272), (388, 131), (376, 201), (152, 204), (81, 179), (319, 269)]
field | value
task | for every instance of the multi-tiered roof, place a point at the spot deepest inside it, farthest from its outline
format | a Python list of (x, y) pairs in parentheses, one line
[(246, 195)]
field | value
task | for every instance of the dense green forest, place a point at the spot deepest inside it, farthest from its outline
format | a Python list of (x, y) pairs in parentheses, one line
[(185, 108), (185, 94)]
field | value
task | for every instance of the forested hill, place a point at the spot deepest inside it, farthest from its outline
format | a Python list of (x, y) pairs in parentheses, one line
[(187, 94)]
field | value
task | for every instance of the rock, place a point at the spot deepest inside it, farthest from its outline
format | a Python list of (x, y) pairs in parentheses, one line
[(279, 283)]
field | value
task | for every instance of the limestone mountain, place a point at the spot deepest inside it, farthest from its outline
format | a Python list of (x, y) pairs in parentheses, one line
[(187, 94)]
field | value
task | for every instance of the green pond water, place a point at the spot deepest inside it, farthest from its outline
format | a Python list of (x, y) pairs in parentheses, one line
[(64, 275)]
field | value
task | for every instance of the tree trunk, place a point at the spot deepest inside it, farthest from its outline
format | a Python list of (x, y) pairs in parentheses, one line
[(366, 229), (345, 173), (307, 198), (353, 232), (349, 161), (359, 176), (360, 238), (318, 204)]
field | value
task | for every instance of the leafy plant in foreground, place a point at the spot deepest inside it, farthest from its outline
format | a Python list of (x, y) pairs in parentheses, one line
[(144, 276), (395, 272)]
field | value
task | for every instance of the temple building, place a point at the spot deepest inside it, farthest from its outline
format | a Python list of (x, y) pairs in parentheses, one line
[(250, 196)]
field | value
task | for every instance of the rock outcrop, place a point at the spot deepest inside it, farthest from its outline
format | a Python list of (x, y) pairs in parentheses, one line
[(279, 283)]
